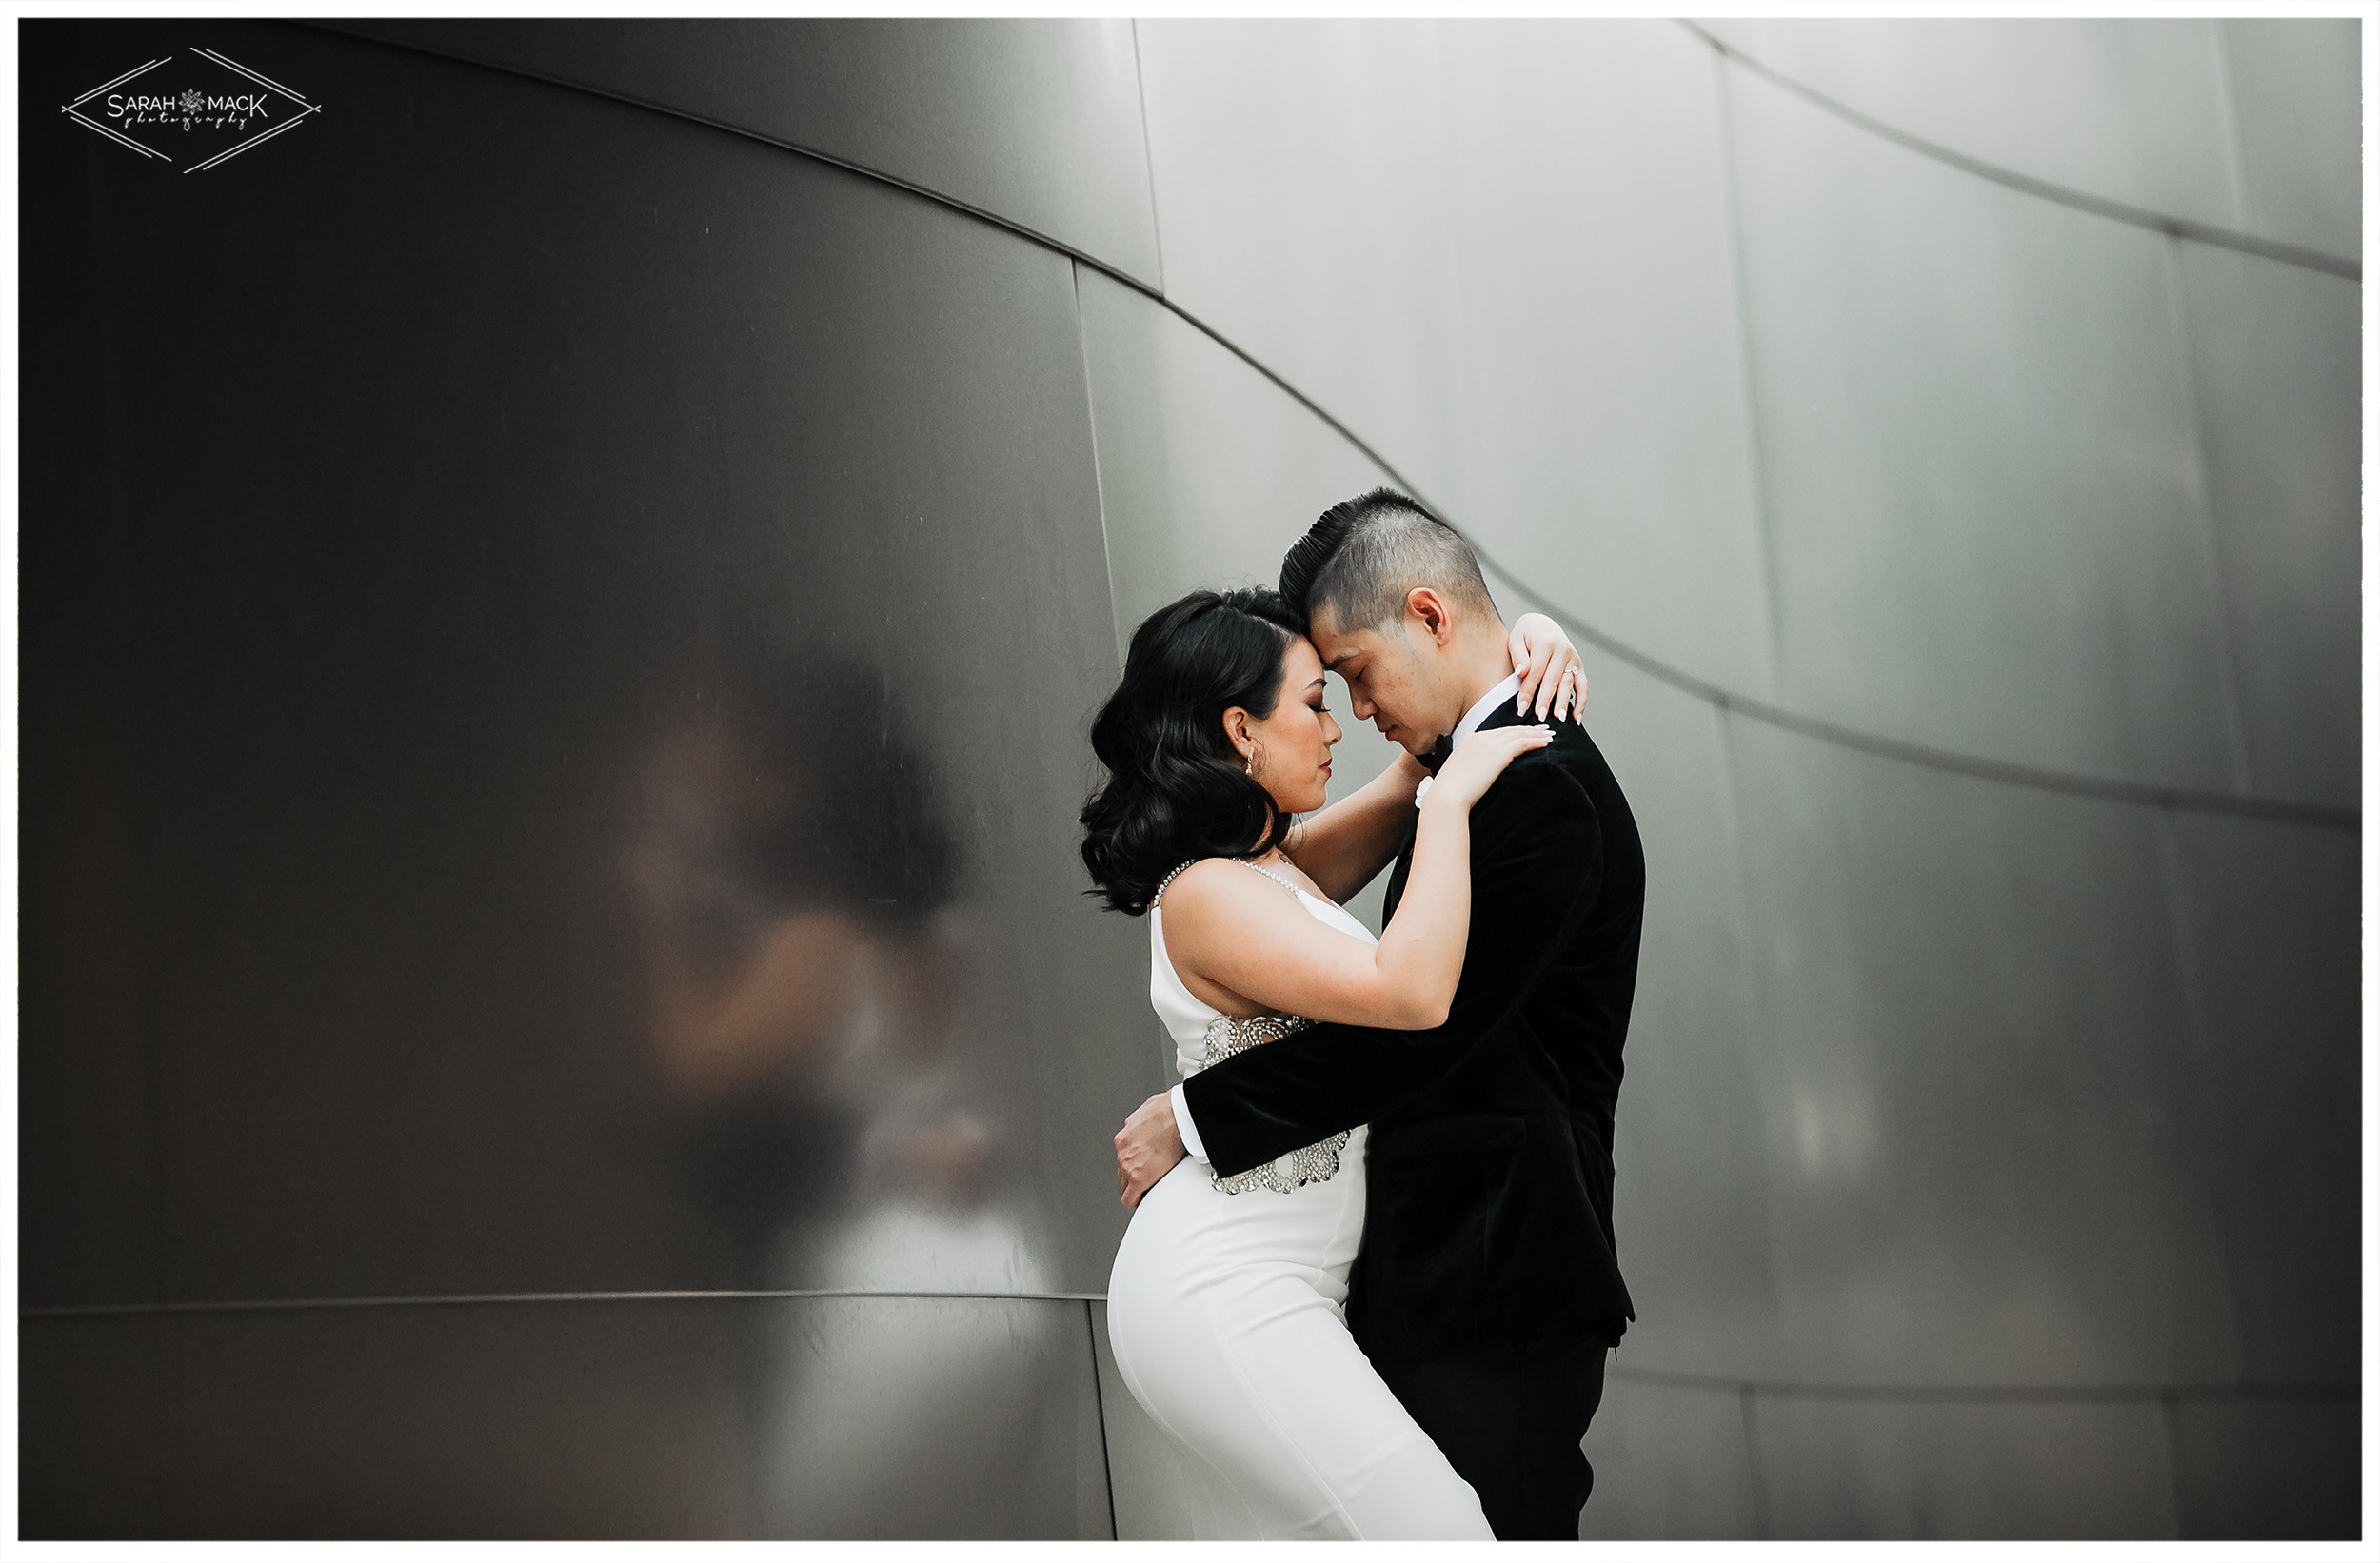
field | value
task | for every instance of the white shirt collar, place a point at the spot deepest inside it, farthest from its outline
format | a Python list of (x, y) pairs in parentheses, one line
[(1508, 690)]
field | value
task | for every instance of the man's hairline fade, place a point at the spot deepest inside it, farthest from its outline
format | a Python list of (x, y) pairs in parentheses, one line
[(1319, 574)]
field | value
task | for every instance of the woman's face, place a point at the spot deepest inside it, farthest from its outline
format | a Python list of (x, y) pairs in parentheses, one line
[(1293, 746)]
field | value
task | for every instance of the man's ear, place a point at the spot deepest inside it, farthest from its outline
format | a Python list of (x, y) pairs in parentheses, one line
[(1436, 621)]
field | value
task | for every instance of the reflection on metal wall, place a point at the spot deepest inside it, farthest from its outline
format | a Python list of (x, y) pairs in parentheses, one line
[(556, 616), (559, 608)]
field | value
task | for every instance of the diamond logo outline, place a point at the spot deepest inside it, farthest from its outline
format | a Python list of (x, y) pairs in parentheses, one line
[(191, 102)]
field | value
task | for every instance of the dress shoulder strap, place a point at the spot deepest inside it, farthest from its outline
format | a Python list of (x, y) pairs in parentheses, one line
[(1281, 879), (1159, 893)]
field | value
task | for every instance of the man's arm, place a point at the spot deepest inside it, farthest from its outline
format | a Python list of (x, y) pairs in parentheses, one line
[(1535, 866)]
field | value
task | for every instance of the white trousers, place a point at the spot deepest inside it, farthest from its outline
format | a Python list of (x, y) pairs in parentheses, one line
[(1227, 1316)]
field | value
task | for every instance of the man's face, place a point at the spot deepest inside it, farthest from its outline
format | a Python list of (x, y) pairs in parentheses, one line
[(1388, 680)]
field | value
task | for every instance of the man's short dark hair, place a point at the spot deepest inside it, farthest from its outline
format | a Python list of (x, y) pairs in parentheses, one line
[(1361, 558)]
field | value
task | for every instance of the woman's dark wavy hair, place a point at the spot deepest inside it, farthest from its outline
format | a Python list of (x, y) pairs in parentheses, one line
[(1175, 789)]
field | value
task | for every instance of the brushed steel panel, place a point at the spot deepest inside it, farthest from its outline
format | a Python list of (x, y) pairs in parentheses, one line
[(1499, 254), (1980, 460), (2266, 923), (2269, 1470), (86, 1195), (1672, 1463), (1035, 121), (1988, 1157), (1607, 450), (714, 1417), (608, 649), (930, 1417), (87, 1172), (1855, 1470), (87, 1408), (2297, 95), (2274, 364), (2129, 110), (510, 1421), (1306, 204), (1208, 472)]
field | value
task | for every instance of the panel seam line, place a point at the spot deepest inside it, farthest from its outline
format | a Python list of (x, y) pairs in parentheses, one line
[(1661, 1377), (476, 1300), (2098, 205)]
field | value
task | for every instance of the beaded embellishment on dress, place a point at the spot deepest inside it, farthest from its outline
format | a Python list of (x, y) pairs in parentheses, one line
[(1225, 1036), (1315, 1163)]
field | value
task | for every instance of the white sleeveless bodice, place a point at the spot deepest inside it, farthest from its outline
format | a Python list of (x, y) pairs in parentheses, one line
[(1187, 1019), (1203, 1035)]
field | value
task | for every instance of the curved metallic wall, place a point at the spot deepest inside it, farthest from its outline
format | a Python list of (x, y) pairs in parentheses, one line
[(559, 608)]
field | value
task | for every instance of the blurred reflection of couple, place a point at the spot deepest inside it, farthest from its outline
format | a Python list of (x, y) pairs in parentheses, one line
[(1375, 1299), (809, 966)]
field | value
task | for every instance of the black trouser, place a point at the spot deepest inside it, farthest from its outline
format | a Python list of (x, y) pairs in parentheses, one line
[(1510, 1422)]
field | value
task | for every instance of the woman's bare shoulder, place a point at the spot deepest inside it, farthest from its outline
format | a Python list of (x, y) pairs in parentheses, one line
[(1216, 889), (1203, 882)]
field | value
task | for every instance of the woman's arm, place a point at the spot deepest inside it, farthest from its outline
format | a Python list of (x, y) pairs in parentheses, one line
[(1239, 943), (1341, 848)]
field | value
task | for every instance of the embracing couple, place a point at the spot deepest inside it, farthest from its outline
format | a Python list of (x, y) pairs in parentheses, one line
[(1370, 1277)]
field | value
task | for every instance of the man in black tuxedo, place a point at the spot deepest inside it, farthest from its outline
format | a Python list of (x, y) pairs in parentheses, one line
[(1486, 1290)]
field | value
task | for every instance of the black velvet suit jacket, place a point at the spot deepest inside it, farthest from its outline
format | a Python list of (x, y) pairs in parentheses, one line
[(1489, 1220)]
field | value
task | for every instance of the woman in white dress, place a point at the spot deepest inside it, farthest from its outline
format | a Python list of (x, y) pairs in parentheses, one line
[(1225, 1306)]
